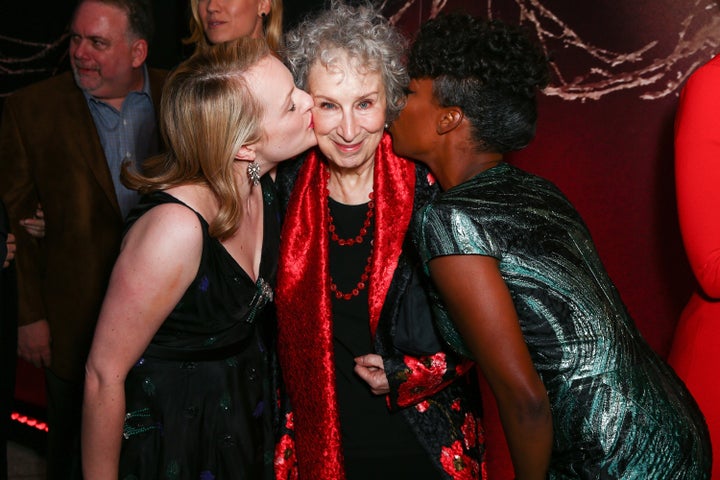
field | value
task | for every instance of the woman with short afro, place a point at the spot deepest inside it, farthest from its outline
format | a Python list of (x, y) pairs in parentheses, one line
[(518, 284)]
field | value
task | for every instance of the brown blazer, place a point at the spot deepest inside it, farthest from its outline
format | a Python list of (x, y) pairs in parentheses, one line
[(50, 153)]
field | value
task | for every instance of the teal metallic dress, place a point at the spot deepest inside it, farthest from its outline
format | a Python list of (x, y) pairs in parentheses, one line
[(618, 410)]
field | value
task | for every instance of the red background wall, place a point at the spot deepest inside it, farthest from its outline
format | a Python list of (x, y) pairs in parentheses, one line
[(605, 138)]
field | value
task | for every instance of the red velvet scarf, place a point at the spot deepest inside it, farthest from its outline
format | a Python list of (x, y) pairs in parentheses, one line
[(303, 298)]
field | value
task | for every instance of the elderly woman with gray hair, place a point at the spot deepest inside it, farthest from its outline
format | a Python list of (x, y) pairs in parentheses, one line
[(373, 393)]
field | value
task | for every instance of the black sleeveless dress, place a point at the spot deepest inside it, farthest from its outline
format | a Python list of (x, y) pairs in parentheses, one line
[(199, 401)]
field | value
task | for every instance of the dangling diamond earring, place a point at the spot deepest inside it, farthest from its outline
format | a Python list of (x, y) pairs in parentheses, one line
[(253, 172)]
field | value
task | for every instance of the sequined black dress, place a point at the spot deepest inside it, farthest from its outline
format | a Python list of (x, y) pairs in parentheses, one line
[(619, 412), (199, 400)]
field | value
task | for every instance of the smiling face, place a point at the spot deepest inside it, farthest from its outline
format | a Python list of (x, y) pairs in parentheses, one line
[(287, 122), (349, 112), (104, 59), (225, 20)]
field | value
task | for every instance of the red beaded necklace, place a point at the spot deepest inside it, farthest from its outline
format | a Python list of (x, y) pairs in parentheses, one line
[(350, 242)]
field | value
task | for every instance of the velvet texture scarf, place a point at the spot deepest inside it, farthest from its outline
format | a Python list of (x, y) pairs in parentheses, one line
[(305, 342)]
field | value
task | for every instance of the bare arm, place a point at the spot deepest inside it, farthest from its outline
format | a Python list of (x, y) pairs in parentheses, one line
[(157, 263), (482, 309)]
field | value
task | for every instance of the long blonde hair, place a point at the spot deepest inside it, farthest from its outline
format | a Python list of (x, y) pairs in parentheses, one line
[(272, 27), (207, 113)]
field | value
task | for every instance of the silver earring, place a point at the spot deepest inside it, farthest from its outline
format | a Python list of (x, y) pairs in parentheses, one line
[(253, 172)]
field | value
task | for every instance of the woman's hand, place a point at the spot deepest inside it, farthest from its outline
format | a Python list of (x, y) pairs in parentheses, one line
[(371, 369)]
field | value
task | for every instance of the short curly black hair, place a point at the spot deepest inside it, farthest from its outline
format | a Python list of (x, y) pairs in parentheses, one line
[(491, 70)]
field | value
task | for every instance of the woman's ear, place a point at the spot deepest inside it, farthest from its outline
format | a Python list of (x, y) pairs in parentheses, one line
[(245, 153), (450, 118), (264, 7)]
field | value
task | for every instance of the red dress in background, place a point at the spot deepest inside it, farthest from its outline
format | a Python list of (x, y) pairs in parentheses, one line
[(695, 353)]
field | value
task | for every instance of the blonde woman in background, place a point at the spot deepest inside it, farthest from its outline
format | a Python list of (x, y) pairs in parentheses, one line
[(218, 21)]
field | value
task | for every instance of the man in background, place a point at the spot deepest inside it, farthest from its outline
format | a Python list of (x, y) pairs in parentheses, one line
[(62, 142)]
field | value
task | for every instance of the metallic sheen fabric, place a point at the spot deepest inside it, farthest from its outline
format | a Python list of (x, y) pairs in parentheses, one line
[(618, 410)]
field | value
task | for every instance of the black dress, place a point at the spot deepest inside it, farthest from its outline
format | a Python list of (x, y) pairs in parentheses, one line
[(199, 401), (377, 443)]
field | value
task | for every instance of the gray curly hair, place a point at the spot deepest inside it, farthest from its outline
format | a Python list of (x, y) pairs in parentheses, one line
[(364, 35)]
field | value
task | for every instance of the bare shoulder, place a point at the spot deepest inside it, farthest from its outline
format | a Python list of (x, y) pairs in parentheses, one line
[(169, 226)]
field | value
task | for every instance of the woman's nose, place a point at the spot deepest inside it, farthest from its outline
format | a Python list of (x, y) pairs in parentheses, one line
[(348, 127)]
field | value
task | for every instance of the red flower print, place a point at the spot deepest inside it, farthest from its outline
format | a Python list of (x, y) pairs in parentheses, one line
[(285, 460), (458, 465), (463, 367), (289, 421), (469, 431), (424, 377), (456, 405), (422, 406)]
